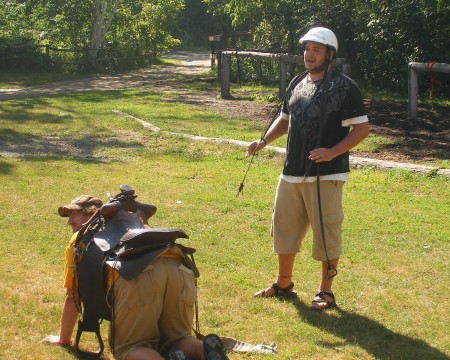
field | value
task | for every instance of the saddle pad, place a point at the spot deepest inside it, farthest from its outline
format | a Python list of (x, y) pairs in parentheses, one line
[(132, 266)]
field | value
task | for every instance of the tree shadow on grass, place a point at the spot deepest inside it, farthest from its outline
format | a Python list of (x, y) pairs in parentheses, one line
[(40, 148), (71, 350), (367, 334), (5, 167)]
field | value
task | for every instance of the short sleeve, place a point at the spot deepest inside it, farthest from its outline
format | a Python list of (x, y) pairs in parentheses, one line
[(68, 276), (353, 109)]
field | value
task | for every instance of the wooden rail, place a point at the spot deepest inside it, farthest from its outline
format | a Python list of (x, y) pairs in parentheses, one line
[(55, 60), (283, 59)]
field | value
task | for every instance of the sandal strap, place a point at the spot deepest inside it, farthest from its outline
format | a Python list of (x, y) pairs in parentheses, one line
[(282, 291), (321, 295)]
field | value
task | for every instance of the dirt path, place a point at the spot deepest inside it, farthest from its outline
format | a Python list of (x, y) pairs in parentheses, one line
[(155, 77), (424, 141)]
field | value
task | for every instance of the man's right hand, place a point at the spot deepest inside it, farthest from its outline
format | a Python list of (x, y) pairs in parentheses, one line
[(254, 147)]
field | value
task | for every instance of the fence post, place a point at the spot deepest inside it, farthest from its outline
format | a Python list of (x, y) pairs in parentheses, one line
[(225, 77), (219, 64), (282, 87), (258, 69), (344, 65), (413, 92), (47, 54)]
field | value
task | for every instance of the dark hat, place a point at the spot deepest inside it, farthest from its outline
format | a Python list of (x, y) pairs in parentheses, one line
[(79, 203)]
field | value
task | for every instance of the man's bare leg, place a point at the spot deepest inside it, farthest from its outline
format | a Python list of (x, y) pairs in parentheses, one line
[(143, 353), (284, 279), (193, 348), (325, 285)]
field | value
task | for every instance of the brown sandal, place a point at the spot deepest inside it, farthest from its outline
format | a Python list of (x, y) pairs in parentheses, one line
[(278, 292), (323, 297)]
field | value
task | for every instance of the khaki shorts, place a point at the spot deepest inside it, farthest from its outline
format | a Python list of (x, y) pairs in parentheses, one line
[(155, 309), (296, 209)]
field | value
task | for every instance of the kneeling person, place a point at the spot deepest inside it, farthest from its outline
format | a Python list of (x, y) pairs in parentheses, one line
[(152, 313)]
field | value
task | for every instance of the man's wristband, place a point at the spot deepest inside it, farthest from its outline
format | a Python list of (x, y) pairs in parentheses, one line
[(64, 342), (264, 140)]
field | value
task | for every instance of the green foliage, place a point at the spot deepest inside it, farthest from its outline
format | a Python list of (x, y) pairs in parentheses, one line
[(398, 32), (17, 39), (65, 24), (21, 54), (380, 38), (245, 70), (154, 22), (194, 25), (139, 32)]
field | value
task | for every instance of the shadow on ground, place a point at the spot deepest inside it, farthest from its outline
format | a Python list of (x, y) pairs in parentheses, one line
[(367, 334)]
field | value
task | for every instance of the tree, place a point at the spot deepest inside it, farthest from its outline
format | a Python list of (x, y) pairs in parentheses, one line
[(394, 33), (110, 26), (104, 13), (17, 38), (379, 37), (194, 24)]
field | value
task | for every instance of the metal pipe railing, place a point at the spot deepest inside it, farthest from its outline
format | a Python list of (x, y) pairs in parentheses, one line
[(413, 89)]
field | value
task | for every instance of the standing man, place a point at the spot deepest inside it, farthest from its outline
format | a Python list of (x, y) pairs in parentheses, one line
[(324, 117)]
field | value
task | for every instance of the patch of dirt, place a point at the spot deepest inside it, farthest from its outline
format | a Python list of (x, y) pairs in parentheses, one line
[(424, 140)]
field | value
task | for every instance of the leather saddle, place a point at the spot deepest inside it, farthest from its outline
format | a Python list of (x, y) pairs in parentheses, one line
[(131, 246)]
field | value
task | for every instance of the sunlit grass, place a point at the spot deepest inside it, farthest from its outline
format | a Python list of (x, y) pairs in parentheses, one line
[(374, 142), (391, 275)]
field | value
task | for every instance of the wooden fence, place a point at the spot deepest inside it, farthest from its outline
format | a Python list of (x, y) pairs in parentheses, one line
[(282, 59), (54, 55)]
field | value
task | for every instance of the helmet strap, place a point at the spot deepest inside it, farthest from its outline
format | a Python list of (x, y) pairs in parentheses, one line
[(327, 62)]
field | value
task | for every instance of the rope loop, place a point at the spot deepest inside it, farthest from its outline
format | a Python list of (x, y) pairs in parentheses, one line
[(433, 81)]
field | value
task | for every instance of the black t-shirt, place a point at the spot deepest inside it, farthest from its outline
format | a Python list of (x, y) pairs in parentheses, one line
[(308, 104)]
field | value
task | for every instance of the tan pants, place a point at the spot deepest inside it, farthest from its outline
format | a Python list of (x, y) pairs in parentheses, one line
[(296, 209), (155, 309)]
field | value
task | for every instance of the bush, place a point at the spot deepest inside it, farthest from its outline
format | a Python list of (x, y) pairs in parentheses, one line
[(21, 53)]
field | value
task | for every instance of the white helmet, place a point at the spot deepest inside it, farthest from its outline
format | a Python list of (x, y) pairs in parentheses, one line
[(321, 35)]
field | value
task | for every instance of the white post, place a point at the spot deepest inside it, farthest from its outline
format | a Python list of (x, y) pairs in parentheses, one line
[(413, 69), (282, 83), (413, 92)]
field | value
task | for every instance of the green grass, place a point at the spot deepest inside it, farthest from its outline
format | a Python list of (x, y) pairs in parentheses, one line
[(56, 116), (392, 276)]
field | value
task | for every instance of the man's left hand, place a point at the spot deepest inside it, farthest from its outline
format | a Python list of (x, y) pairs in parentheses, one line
[(321, 155)]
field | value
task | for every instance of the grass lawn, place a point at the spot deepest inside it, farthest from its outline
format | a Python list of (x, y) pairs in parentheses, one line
[(392, 275)]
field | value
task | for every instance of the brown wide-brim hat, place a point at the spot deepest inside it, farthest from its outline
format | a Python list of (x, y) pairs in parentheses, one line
[(79, 203)]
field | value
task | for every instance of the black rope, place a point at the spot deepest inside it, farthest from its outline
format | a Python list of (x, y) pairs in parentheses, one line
[(330, 267), (295, 81)]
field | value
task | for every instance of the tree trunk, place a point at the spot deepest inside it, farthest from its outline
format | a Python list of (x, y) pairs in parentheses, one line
[(102, 22)]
